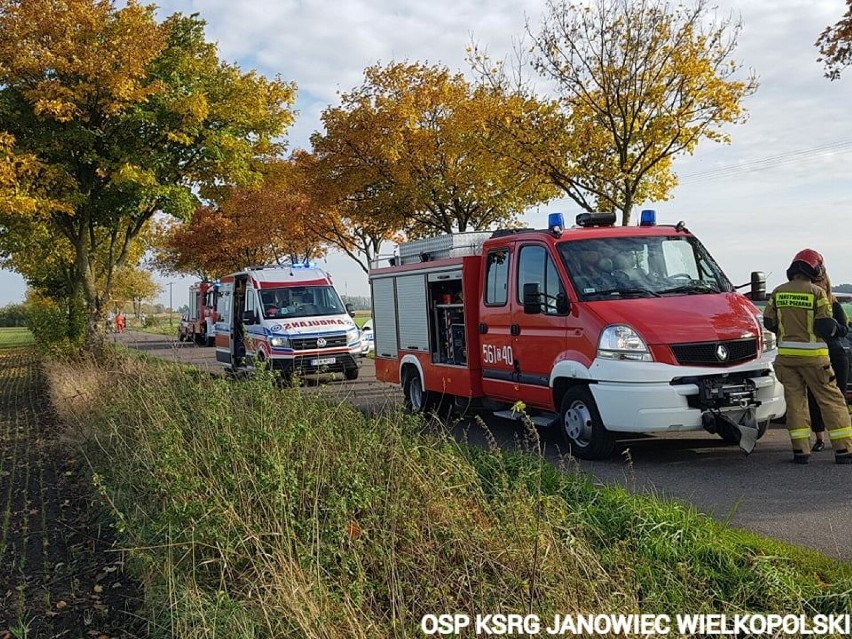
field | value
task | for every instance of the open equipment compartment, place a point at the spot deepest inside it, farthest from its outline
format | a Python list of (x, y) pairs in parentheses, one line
[(446, 303)]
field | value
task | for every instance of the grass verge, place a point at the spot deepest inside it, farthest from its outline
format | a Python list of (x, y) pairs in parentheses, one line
[(15, 337), (264, 512)]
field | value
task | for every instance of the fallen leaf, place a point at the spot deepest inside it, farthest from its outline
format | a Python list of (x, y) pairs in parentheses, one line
[(98, 588), (61, 604)]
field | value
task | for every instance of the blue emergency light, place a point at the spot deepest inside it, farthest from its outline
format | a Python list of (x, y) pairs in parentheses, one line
[(648, 217), (555, 223)]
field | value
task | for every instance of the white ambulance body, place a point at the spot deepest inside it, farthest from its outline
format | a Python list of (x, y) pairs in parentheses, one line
[(290, 318)]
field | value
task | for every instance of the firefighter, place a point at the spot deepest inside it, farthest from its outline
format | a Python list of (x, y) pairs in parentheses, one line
[(800, 314), (836, 355)]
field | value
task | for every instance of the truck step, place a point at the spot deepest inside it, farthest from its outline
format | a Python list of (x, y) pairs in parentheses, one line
[(541, 419)]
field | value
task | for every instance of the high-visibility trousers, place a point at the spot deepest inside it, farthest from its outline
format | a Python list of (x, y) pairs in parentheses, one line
[(799, 375)]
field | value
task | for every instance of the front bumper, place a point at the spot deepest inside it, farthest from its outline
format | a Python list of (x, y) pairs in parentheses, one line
[(306, 364), (669, 403)]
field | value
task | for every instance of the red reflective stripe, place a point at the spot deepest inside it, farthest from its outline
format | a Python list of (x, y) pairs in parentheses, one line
[(294, 282)]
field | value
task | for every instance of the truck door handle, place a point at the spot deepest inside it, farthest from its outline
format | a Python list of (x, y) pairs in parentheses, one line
[(515, 329), (483, 328)]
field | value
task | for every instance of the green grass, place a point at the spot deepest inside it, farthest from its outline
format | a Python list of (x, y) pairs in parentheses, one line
[(15, 337), (255, 511)]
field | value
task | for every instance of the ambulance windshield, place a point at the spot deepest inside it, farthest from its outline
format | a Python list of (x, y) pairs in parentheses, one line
[(650, 266), (300, 301)]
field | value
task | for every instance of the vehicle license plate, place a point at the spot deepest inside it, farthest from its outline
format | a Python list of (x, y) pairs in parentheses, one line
[(323, 361)]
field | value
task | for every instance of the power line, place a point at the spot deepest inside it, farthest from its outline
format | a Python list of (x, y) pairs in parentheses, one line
[(770, 162)]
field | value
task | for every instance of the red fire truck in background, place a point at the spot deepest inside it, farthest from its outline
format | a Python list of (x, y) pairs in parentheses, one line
[(198, 324), (601, 329)]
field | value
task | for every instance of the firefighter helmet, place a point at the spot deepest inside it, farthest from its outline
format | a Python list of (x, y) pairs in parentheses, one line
[(807, 262)]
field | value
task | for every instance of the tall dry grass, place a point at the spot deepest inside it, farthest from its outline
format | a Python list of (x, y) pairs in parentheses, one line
[(256, 511)]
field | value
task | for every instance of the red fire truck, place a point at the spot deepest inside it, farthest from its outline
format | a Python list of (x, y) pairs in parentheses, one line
[(601, 329), (198, 324)]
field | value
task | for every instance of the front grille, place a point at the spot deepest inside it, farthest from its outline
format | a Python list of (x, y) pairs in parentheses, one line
[(334, 340), (708, 353)]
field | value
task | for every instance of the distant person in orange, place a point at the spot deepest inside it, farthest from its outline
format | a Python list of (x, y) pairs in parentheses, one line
[(120, 322)]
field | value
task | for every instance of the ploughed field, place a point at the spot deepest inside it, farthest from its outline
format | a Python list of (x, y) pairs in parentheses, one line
[(59, 573)]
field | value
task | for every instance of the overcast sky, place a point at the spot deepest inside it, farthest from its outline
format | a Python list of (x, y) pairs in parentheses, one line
[(784, 183)]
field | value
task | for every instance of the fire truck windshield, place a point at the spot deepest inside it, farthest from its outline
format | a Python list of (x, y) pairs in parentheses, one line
[(300, 301), (643, 266)]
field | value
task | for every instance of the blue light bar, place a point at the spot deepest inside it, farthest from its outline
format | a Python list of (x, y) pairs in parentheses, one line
[(555, 223), (648, 218)]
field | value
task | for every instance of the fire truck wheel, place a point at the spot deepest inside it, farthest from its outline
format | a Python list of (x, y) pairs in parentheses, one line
[(351, 373), (581, 426), (417, 399)]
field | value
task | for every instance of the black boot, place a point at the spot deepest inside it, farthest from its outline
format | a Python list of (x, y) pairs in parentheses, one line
[(843, 458)]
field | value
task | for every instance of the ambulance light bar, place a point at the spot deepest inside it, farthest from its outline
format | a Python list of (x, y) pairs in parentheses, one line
[(595, 219)]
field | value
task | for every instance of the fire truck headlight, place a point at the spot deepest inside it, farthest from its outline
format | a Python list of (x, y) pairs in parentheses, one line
[(623, 343), (279, 342)]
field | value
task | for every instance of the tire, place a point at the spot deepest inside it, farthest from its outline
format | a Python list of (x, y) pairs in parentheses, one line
[(210, 341), (581, 427), (200, 338), (181, 337), (351, 373), (417, 399)]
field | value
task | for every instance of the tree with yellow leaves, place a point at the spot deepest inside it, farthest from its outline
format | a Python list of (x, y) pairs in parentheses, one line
[(636, 84), (408, 151), (127, 117)]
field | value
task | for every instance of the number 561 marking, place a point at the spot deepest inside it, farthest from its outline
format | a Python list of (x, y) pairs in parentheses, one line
[(492, 354)]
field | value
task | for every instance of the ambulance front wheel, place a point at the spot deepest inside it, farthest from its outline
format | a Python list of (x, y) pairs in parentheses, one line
[(351, 373), (581, 426)]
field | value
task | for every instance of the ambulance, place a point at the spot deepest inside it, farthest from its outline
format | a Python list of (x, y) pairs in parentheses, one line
[(598, 330), (288, 318)]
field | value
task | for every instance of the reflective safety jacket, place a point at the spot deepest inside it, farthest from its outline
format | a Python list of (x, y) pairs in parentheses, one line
[(800, 313)]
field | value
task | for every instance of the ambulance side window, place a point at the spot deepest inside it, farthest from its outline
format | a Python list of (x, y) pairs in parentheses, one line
[(250, 306), (497, 278)]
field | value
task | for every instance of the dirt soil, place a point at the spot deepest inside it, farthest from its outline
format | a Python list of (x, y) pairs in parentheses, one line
[(61, 574)]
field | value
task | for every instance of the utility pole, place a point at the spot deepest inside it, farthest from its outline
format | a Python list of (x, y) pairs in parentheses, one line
[(170, 303)]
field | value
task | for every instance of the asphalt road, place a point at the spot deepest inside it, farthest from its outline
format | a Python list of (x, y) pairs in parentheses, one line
[(764, 492)]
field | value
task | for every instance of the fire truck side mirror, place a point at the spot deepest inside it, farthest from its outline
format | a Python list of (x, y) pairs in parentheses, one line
[(351, 310), (249, 317), (532, 298), (758, 285)]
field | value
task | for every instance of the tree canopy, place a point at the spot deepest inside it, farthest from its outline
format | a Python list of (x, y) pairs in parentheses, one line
[(408, 151), (123, 117), (835, 45), (635, 83), (267, 224)]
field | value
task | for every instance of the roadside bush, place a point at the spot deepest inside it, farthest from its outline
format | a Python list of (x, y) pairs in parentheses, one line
[(53, 327), (254, 511)]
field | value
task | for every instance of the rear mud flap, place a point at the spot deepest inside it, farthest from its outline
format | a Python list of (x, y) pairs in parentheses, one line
[(744, 432)]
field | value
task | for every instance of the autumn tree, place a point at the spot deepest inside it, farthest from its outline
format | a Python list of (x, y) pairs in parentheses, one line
[(347, 216), (134, 285), (835, 45), (636, 83), (406, 151), (127, 117), (270, 224)]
